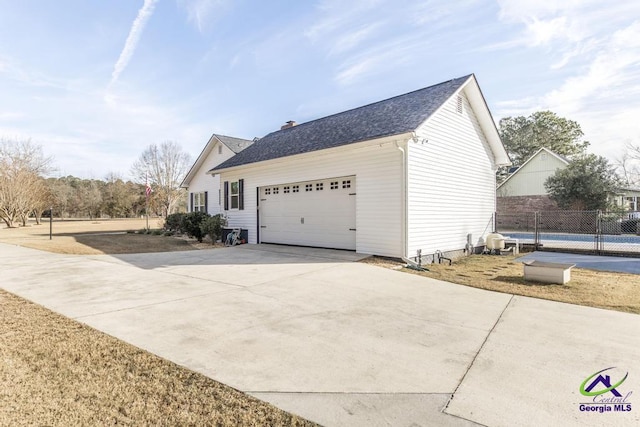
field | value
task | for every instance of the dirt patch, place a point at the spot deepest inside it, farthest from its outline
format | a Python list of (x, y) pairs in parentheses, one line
[(91, 237), (614, 291), (58, 372)]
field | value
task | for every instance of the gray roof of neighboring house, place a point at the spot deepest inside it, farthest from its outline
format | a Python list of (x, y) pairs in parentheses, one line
[(392, 116), (234, 144)]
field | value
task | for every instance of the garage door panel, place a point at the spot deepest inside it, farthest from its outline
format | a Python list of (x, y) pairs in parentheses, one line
[(319, 213)]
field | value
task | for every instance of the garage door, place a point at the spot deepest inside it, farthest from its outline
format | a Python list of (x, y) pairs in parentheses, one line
[(318, 213)]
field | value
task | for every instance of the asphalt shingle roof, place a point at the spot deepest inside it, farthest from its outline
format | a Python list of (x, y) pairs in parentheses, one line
[(392, 116), (235, 144)]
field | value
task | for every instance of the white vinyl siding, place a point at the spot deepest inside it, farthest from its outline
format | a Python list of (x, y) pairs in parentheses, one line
[(378, 187), (451, 181), (529, 179), (202, 181)]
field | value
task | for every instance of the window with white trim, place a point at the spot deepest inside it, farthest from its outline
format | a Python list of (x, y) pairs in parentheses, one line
[(199, 202), (234, 195)]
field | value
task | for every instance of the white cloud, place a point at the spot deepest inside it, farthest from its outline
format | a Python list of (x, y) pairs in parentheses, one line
[(9, 116), (519, 10), (133, 39), (380, 58), (202, 13), (600, 92), (338, 17), (361, 41), (614, 68), (350, 40), (544, 31), (437, 12), (15, 71)]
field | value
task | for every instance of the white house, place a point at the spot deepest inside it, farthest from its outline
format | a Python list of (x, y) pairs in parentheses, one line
[(413, 172), (523, 190), (204, 189)]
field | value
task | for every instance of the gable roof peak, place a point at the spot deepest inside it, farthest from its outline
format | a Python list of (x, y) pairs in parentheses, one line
[(392, 116)]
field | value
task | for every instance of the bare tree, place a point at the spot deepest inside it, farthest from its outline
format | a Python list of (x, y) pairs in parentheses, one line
[(165, 167), (628, 165), (22, 165), (44, 199)]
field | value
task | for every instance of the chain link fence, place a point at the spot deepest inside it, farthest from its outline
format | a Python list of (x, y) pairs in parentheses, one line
[(593, 232)]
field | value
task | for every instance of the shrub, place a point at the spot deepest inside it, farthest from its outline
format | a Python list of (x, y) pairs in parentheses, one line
[(174, 222), (212, 226), (191, 224), (157, 232)]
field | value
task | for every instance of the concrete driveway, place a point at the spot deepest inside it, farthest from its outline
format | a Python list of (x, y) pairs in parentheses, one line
[(344, 343)]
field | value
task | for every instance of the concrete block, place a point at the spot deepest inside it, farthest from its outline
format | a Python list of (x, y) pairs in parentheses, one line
[(547, 272)]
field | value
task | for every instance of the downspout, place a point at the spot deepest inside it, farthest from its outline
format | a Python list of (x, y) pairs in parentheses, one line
[(405, 209)]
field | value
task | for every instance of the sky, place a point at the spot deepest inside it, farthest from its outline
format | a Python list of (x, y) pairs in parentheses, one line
[(96, 82)]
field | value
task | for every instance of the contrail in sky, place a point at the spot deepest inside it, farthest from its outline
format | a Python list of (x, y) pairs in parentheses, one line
[(130, 45)]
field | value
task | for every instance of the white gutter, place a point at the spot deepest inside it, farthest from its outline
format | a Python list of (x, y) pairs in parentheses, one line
[(405, 207)]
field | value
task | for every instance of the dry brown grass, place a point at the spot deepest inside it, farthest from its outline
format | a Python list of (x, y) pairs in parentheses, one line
[(58, 372), (614, 291), (90, 238)]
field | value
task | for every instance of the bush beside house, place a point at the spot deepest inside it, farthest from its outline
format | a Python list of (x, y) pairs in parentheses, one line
[(196, 224)]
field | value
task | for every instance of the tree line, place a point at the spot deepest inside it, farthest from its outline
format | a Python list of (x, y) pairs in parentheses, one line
[(26, 191)]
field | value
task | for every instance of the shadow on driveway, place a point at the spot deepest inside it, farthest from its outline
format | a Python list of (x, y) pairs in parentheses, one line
[(236, 257)]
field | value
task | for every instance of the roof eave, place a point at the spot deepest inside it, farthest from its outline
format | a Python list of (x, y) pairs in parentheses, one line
[(405, 136), (488, 125), (198, 163)]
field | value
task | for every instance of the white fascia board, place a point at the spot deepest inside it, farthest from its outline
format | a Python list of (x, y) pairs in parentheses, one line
[(483, 114), (200, 160)]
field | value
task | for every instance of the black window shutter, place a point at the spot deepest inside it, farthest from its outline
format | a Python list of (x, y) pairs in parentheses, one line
[(190, 202), (226, 195), (206, 202), (241, 194)]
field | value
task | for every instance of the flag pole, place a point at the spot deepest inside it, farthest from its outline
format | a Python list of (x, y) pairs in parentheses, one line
[(147, 192)]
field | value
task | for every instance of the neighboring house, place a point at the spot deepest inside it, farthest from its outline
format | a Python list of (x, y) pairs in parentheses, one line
[(413, 172), (523, 190), (628, 199), (204, 189)]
